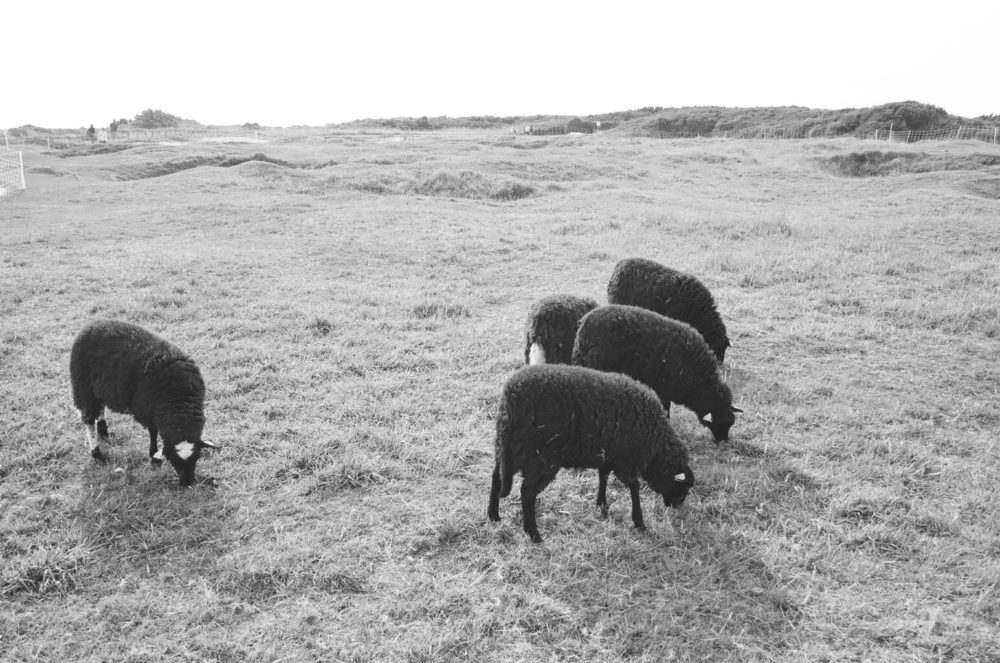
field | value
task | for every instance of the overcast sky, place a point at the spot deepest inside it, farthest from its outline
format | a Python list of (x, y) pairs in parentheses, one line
[(292, 62)]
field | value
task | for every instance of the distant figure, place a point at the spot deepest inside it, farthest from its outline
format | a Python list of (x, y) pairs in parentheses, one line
[(527, 129), (113, 130), (102, 137), (91, 133)]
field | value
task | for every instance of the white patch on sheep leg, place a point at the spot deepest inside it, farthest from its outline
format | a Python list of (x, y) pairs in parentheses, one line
[(92, 441), (159, 454), (536, 355), (184, 450)]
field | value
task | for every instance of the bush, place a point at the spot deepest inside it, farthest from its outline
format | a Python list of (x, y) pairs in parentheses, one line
[(583, 126), (155, 119)]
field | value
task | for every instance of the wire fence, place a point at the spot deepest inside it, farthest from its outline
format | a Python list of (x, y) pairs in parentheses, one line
[(66, 139), (11, 173), (989, 135), (774, 133), (983, 134)]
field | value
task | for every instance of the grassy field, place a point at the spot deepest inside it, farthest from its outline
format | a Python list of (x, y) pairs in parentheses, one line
[(356, 301)]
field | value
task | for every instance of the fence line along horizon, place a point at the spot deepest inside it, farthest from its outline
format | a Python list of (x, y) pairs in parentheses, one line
[(11, 171)]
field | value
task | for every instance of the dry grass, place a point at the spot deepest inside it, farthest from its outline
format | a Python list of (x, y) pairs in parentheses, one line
[(354, 344)]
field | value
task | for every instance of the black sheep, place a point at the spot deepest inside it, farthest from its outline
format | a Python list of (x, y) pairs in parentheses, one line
[(551, 328), (645, 283), (131, 370), (553, 416), (668, 355)]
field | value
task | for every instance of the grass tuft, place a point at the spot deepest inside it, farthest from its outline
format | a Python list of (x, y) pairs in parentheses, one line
[(320, 326), (438, 310), (268, 583), (44, 571)]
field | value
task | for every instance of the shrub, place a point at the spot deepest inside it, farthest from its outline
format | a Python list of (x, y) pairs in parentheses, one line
[(155, 119), (583, 126)]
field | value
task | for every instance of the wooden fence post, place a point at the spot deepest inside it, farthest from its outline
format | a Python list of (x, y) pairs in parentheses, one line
[(958, 134)]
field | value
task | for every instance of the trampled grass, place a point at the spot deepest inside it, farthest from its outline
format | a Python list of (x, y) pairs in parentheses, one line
[(354, 340)]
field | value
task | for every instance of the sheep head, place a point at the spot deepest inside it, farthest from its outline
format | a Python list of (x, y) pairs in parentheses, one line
[(184, 455)]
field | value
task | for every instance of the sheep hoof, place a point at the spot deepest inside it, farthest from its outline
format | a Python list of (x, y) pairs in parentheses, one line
[(536, 538), (98, 456), (102, 429), (604, 510), (155, 462), (495, 517)]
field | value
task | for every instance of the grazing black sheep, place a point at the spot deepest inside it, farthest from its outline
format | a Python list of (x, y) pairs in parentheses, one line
[(553, 416), (131, 370), (641, 282), (668, 355), (551, 328)]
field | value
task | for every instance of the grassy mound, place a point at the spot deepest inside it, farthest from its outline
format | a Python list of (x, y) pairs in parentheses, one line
[(91, 150), (472, 184), (445, 184), (878, 164), (161, 168), (45, 170), (257, 156)]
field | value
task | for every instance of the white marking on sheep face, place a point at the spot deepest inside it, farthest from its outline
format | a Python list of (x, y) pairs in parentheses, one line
[(536, 355), (680, 477), (184, 450)]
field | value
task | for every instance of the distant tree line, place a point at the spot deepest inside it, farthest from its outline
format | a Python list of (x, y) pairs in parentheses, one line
[(901, 116)]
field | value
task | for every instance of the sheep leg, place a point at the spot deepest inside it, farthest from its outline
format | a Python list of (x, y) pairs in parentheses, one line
[(602, 488), (528, 509), (493, 511), (633, 489), (102, 425), (532, 484), (89, 418), (155, 455), (93, 441)]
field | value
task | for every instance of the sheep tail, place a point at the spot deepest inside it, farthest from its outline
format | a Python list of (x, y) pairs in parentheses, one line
[(506, 471), (504, 457)]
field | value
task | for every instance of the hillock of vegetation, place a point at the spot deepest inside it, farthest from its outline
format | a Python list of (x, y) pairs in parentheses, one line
[(901, 116), (796, 121), (877, 164), (705, 120)]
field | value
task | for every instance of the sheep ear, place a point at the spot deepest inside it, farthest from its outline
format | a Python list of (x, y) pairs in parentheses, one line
[(207, 444), (680, 477), (735, 409)]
